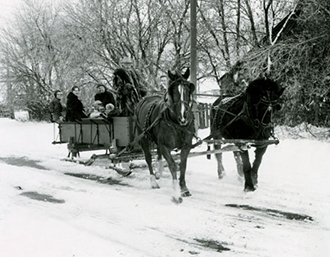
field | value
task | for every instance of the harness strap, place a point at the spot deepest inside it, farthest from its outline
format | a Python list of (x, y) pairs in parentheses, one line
[(254, 123), (236, 116), (200, 141), (145, 130), (169, 122)]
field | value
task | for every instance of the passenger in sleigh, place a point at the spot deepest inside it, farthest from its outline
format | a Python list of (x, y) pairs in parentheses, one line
[(75, 108), (56, 108), (101, 112), (104, 95), (104, 105)]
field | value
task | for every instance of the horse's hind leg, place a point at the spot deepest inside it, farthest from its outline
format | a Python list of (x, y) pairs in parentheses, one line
[(218, 156), (160, 164), (147, 154), (239, 164)]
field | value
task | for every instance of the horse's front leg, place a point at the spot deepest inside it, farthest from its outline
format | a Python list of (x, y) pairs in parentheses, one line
[(173, 167), (218, 156), (248, 186), (147, 154), (183, 166), (259, 153)]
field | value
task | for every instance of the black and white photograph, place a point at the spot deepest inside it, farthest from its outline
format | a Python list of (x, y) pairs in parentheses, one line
[(164, 128)]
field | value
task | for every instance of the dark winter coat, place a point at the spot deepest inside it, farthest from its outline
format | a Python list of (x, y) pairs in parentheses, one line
[(56, 109), (130, 89), (74, 108), (106, 98)]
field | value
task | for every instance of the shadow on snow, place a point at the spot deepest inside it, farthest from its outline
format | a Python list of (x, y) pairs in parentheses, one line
[(273, 212)]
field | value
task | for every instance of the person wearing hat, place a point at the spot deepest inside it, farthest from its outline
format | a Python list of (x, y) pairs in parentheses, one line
[(163, 83), (126, 63), (56, 108)]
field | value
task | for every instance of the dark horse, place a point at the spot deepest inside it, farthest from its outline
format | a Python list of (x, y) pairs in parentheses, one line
[(246, 116), (129, 90), (168, 122)]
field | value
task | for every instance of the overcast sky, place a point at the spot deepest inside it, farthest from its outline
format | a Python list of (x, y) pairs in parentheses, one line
[(7, 8)]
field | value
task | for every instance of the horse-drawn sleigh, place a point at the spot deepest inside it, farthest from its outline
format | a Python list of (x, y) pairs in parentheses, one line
[(166, 123)]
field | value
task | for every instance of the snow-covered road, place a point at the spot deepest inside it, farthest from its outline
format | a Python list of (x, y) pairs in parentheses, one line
[(47, 209)]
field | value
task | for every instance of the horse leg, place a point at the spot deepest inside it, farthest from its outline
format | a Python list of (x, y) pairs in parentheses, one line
[(248, 186), (147, 154), (183, 165), (218, 156), (160, 165), (173, 167), (259, 152), (239, 164)]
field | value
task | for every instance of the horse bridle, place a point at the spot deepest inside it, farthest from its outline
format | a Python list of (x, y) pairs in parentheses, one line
[(187, 104), (164, 116), (270, 106)]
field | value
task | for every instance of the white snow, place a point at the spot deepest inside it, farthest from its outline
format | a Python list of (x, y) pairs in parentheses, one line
[(96, 219)]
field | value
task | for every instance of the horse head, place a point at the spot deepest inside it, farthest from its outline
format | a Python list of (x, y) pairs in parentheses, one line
[(262, 97), (180, 98)]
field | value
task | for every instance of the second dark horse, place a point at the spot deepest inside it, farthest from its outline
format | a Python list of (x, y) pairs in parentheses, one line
[(168, 122), (246, 116)]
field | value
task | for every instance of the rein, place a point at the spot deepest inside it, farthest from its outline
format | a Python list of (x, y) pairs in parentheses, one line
[(169, 122), (166, 109), (165, 115), (236, 116), (168, 119), (145, 129), (269, 109)]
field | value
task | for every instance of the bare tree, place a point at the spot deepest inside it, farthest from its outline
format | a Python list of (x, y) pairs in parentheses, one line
[(30, 56), (82, 43)]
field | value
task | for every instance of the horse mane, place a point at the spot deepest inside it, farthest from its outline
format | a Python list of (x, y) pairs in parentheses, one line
[(261, 85)]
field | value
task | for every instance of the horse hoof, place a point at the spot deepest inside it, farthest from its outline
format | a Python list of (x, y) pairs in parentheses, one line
[(153, 182), (176, 200), (157, 175), (221, 176), (249, 189), (186, 194)]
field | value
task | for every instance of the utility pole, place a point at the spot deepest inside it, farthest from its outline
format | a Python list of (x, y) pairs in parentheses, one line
[(193, 39), (193, 57)]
